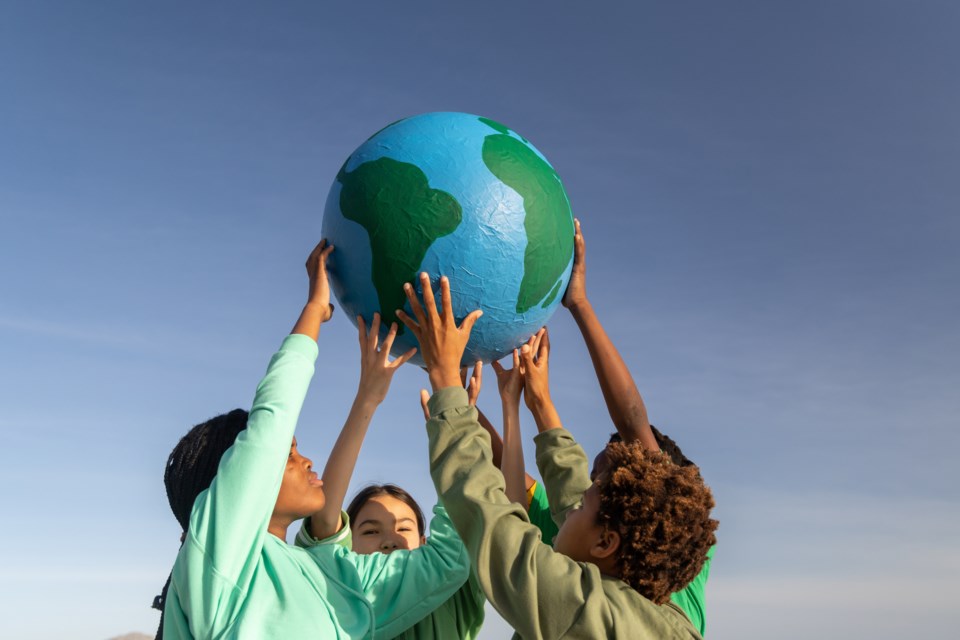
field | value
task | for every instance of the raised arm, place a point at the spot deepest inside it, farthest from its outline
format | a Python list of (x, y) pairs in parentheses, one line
[(376, 373), (564, 470), (624, 403), (516, 570), (510, 384), (229, 520)]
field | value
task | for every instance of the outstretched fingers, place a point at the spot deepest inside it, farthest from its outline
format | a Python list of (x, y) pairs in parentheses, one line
[(413, 324), (429, 303)]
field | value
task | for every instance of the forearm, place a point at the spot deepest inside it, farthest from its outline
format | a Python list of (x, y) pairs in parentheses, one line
[(340, 465), (513, 566), (623, 399), (496, 443), (544, 413), (313, 315), (512, 463)]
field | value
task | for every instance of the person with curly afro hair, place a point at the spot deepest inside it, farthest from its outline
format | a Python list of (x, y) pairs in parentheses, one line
[(627, 539), (628, 411)]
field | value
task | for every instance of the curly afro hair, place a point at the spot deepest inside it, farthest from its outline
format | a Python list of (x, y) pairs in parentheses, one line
[(662, 512)]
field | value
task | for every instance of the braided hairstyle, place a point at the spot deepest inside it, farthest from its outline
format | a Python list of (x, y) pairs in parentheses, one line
[(190, 469)]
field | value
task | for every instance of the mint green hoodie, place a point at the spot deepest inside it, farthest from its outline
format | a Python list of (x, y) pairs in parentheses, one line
[(458, 618), (233, 579)]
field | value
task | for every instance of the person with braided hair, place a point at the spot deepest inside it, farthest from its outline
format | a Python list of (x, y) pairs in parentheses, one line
[(628, 538), (236, 483)]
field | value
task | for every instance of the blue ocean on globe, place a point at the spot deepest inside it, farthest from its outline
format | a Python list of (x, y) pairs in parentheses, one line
[(458, 195)]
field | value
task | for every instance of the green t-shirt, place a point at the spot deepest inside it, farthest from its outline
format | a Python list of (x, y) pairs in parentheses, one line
[(539, 512)]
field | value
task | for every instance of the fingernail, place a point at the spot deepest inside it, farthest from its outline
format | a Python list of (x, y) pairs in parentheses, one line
[(406, 286)]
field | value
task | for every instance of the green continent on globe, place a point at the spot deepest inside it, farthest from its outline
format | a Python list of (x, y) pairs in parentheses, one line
[(403, 216), (548, 221)]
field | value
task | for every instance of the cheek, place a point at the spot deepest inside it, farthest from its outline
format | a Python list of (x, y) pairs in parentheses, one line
[(413, 540)]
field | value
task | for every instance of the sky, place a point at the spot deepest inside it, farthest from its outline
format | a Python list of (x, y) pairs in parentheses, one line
[(770, 201)]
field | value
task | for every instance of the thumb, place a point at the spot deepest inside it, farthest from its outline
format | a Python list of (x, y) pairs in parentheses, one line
[(424, 399), (470, 320)]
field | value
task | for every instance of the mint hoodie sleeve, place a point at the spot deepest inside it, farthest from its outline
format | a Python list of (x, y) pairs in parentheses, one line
[(540, 592), (564, 468), (229, 520), (405, 586)]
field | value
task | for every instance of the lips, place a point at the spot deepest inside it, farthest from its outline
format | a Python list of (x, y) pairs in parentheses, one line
[(314, 479)]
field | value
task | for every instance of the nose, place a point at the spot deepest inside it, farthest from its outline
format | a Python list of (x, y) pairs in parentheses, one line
[(392, 543), (388, 544)]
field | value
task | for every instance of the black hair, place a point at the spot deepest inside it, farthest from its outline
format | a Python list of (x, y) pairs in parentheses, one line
[(374, 490), (190, 469), (667, 445)]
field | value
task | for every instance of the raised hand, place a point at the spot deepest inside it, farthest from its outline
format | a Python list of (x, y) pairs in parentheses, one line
[(318, 308), (319, 293), (376, 370), (442, 342), (510, 381), (576, 293), (534, 363)]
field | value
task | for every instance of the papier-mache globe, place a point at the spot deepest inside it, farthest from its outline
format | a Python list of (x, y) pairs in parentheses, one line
[(457, 195)]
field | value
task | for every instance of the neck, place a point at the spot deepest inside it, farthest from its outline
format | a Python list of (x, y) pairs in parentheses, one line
[(278, 528)]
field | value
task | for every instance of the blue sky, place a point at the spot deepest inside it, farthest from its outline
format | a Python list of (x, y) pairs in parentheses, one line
[(769, 196)]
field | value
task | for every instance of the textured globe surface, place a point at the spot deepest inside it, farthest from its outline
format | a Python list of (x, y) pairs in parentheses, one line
[(458, 195)]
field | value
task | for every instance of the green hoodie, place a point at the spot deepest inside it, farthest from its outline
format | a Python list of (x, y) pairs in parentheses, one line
[(233, 579), (541, 593)]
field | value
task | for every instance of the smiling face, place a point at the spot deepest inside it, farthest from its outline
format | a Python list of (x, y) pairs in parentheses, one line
[(385, 524), (301, 492)]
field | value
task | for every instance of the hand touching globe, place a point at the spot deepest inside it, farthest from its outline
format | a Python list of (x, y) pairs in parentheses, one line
[(457, 195)]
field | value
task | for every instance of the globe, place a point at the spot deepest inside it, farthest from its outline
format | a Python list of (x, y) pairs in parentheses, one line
[(458, 195)]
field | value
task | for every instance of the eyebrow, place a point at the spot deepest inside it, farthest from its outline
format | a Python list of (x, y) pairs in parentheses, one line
[(378, 523)]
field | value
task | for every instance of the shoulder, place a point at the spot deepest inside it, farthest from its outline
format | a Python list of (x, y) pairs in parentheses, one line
[(630, 610)]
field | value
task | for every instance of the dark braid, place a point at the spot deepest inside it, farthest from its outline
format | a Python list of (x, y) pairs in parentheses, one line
[(190, 469)]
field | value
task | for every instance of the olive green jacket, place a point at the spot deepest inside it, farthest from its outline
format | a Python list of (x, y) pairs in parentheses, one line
[(541, 593)]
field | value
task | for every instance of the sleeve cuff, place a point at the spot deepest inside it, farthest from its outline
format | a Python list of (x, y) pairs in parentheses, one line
[(299, 343), (304, 539), (551, 438), (447, 398)]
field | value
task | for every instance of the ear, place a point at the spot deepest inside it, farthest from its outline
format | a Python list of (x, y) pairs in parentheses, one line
[(423, 540), (606, 545)]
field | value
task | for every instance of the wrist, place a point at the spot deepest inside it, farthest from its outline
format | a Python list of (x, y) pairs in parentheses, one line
[(512, 404), (321, 309), (443, 377), (367, 399), (579, 306)]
